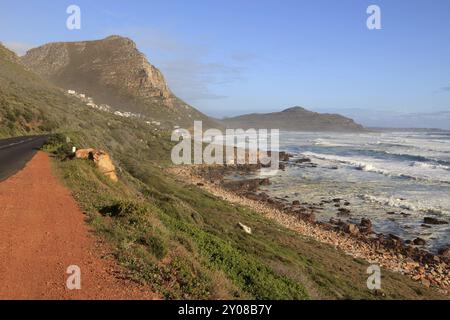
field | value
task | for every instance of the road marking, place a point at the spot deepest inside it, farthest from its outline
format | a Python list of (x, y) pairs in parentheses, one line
[(16, 143)]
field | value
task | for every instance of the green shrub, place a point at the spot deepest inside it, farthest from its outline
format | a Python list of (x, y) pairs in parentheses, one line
[(156, 244), (125, 209), (10, 116), (28, 115), (59, 145)]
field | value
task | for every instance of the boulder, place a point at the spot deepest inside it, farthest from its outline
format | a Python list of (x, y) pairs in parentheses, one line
[(264, 196), (335, 221), (83, 153), (101, 159), (419, 242), (405, 214), (284, 156), (444, 251), (252, 196), (395, 237), (105, 164), (306, 216), (365, 226), (431, 220), (302, 160), (343, 212), (366, 223), (351, 229)]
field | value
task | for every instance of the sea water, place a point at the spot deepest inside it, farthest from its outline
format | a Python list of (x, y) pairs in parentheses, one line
[(393, 178)]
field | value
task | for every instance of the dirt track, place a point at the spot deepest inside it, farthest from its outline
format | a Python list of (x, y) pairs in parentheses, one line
[(42, 232)]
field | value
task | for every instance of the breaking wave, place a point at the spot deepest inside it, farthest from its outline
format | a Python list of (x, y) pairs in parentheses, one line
[(410, 170), (404, 204)]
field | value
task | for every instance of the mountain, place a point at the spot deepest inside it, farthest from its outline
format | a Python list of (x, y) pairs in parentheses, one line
[(294, 119), (113, 72), (30, 104)]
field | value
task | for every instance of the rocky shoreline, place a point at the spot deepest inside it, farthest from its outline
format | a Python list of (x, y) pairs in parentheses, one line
[(356, 239)]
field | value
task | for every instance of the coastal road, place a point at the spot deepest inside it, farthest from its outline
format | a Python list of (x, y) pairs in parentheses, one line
[(16, 152), (45, 240)]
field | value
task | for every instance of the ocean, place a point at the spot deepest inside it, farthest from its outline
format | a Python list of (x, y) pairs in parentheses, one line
[(396, 179)]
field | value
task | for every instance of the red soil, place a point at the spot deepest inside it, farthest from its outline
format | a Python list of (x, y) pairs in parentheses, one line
[(42, 233)]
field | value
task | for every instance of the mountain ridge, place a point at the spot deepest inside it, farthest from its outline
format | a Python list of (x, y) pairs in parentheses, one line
[(114, 72), (294, 119)]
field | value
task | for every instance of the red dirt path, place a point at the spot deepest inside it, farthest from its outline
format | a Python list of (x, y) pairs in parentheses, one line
[(42, 232)]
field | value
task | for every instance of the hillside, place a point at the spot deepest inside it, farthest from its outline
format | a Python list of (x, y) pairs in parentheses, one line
[(32, 105), (113, 72), (179, 239), (294, 119)]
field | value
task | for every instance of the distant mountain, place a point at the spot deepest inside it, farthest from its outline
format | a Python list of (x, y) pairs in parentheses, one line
[(294, 119), (113, 72), (393, 119)]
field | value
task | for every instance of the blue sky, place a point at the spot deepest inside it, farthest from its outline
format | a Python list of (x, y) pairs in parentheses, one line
[(232, 57)]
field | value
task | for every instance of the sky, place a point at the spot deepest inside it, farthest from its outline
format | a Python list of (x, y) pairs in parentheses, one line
[(229, 57)]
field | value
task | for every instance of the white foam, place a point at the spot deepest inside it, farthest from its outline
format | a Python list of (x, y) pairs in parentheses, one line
[(388, 168), (394, 143), (414, 205), (429, 165), (327, 143)]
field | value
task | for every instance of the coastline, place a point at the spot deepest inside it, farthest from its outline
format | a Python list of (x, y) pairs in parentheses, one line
[(388, 252)]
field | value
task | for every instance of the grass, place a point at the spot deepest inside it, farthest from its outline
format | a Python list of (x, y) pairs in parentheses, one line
[(167, 251)]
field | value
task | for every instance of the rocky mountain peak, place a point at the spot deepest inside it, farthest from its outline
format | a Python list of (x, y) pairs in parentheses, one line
[(111, 70)]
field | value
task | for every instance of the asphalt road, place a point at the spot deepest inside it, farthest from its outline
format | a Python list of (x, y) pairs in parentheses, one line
[(16, 152)]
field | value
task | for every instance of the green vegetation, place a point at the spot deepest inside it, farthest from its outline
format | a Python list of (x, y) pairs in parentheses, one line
[(185, 242), (164, 246), (175, 237)]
